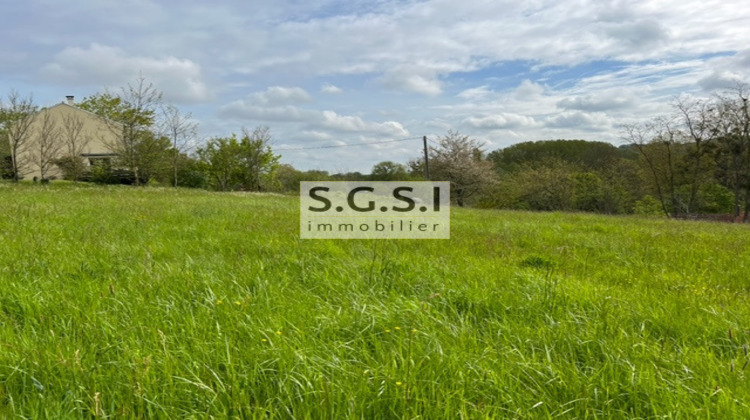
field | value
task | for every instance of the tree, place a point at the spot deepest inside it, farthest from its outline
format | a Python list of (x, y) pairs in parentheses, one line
[(6, 167), (657, 142), (697, 118), (590, 155), (219, 161), (106, 105), (541, 185), (16, 117), (131, 116), (46, 145), (732, 152), (245, 164), (74, 143), (181, 131), (460, 160), (257, 160), (588, 192), (152, 158), (389, 171)]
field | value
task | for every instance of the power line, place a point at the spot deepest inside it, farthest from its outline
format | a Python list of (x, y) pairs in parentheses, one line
[(348, 145)]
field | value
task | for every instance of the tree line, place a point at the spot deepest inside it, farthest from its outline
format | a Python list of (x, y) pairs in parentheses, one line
[(694, 161)]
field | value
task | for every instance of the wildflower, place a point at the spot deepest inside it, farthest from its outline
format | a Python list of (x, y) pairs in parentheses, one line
[(399, 383), (237, 302), (219, 302), (413, 330), (387, 330), (278, 332), (396, 328), (263, 340)]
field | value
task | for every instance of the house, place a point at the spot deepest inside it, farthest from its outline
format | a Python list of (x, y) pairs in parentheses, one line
[(62, 131)]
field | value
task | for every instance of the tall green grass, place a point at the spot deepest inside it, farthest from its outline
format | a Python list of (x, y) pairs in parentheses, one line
[(123, 302)]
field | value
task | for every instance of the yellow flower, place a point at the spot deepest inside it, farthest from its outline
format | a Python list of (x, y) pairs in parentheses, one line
[(237, 302), (278, 332), (396, 328), (387, 330), (399, 383), (413, 330), (218, 302)]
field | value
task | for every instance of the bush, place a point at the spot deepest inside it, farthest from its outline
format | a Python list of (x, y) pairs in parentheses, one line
[(648, 206), (72, 167)]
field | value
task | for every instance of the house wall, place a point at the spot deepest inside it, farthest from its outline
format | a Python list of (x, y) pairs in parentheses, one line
[(101, 136)]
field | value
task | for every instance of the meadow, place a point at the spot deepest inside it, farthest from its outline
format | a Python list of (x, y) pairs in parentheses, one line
[(120, 302)]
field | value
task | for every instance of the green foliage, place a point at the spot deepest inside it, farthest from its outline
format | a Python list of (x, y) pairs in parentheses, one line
[(16, 117), (648, 206), (547, 186), (105, 105), (246, 164), (715, 198), (588, 192), (349, 176), (131, 117), (286, 179), (6, 167), (103, 174), (189, 173), (586, 154), (207, 305), (72, 167), (152, 157), (116, 108), (565, 175), (389, 171)]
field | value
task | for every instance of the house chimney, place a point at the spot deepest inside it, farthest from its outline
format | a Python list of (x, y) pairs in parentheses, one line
[(70, 99)]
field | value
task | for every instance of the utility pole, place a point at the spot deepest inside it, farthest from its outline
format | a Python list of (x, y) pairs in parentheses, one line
[(426, 160)]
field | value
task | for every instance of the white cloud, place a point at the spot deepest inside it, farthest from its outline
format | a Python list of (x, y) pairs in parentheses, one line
[(244, 110), (337, 122), (721, 80), (410, 81), (600, 101), (331, 89), (278, 95), (476, 93), (529, 90), (179, 79), (312, 120), (505, 120), (583, 121)]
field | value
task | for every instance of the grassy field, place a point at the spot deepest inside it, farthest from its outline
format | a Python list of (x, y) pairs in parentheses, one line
[(121, 302)]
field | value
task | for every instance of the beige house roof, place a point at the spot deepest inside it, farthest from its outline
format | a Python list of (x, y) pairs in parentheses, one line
[(59, 130)]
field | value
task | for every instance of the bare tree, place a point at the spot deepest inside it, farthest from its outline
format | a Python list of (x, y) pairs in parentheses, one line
[(46, 145), (16, 118), (732, 127), (657, 142), (181, 131), (74, 143), (697, 119)]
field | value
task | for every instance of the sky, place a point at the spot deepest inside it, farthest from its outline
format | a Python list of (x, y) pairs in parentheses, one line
[(343, 72)]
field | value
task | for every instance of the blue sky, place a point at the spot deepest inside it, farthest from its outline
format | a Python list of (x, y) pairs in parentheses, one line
[(335, 72)]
